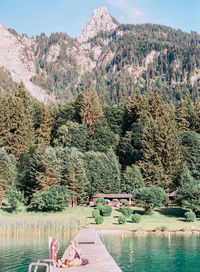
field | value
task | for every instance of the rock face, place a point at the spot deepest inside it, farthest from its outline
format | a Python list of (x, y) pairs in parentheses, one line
[(18, 58), (100, 21)]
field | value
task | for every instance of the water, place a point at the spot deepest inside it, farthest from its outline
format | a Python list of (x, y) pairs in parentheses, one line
[(152, 254), (17, 253), (136, 254)]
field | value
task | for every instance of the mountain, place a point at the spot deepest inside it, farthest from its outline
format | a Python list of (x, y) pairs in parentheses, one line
[(100, 21), (114, 59)]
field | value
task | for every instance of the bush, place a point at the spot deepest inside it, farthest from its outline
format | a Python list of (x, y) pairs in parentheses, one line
[(122, 219), (54, 199), (13, 197), (127, 211), (105, 211), (98, 220), (162, 228), (100, 206), (95, 213), (136, 218), (190, 216), (100, 200), (124, 202), (150, 197)]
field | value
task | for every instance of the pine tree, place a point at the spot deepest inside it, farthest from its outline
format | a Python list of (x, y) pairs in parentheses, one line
[(90, 110), (161, 153), (181, 117), (76, 177), (16, 127), (8, 172), (46, 125), (45, 168), (131, 179)]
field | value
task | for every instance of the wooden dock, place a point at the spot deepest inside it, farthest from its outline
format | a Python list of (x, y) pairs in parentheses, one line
[(92, 248)]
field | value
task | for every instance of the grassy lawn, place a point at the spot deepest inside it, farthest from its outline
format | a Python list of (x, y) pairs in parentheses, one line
[(170, 217)]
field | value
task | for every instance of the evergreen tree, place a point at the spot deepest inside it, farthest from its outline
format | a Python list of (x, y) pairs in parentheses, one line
[(76, 177), (181, 115), (45, 168), (90, 110), (71, 135), (190, 147), (8, 173), (161, 153), (131, 179), (103, 172), (46, 125), (16, 127)]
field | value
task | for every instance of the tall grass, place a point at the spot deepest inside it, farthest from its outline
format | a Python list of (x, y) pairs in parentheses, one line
[(37, 226)]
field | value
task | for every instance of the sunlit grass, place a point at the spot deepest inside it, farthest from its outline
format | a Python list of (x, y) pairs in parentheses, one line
[(30, 223)]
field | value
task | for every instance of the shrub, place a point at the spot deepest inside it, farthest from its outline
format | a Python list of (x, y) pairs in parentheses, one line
[(54, 199), (95, 213), (100, 206), (190, 216), (98, 220), (127, 211), (136, 218), (13, 197), (105, 211), (162, 228), (150, 197), (124, 202), (122, 219), (100, 200)]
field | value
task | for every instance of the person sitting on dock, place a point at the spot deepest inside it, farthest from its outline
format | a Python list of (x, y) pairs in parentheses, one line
[(74, 258)]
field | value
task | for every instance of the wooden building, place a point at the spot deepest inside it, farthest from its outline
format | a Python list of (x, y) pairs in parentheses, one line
[(112, 197)]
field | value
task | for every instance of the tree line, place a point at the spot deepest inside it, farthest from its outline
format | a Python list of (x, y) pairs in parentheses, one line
[(53, 154)]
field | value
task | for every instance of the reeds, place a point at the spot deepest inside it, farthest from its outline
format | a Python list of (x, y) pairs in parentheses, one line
[(37, 226)]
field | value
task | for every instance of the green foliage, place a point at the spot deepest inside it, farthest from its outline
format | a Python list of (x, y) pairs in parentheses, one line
[(102, 139), (98, 220), (190, 216), (14, 198), (16, 127), (100, 200), (102, 171), (126, 211), (124, 202), (54, 199), (149, 198), (105, 211), (122, 219), (76, 178), (189, 195), (8, 172), (45, 168), (131, 179), (136, 218), (71, 135), (100, 206), (95, 213), (162, 228)]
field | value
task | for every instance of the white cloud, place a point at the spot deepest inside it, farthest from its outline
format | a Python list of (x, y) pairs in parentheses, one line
[(129, 8)]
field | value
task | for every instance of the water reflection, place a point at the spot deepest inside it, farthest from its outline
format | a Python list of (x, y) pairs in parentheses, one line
[(155, 253)]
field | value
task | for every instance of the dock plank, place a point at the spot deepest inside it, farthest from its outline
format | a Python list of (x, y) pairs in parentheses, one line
[(92, 248)]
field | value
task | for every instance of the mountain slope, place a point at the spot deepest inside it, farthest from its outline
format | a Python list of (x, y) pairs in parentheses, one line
[(114, 59)]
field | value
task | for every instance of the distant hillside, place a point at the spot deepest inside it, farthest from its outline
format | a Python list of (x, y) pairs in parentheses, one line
[(115, 59)]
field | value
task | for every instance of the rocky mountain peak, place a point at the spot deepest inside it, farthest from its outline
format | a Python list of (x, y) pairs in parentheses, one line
[(100, 21)]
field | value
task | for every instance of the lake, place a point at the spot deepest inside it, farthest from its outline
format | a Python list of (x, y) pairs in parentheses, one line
[(149, 253)]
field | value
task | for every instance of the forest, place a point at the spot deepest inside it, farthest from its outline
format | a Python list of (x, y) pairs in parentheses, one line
[(50, 155)]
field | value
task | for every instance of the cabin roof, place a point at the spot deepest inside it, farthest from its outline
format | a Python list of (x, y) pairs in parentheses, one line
[(117, 196)]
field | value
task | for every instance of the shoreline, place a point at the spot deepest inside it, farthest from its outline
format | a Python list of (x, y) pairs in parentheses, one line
[(144, 233)]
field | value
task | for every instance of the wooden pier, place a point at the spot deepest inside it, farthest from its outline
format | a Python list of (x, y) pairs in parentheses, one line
[(92, 248)]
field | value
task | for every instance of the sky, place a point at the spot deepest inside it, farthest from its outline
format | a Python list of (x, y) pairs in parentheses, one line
[(33, 17)]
